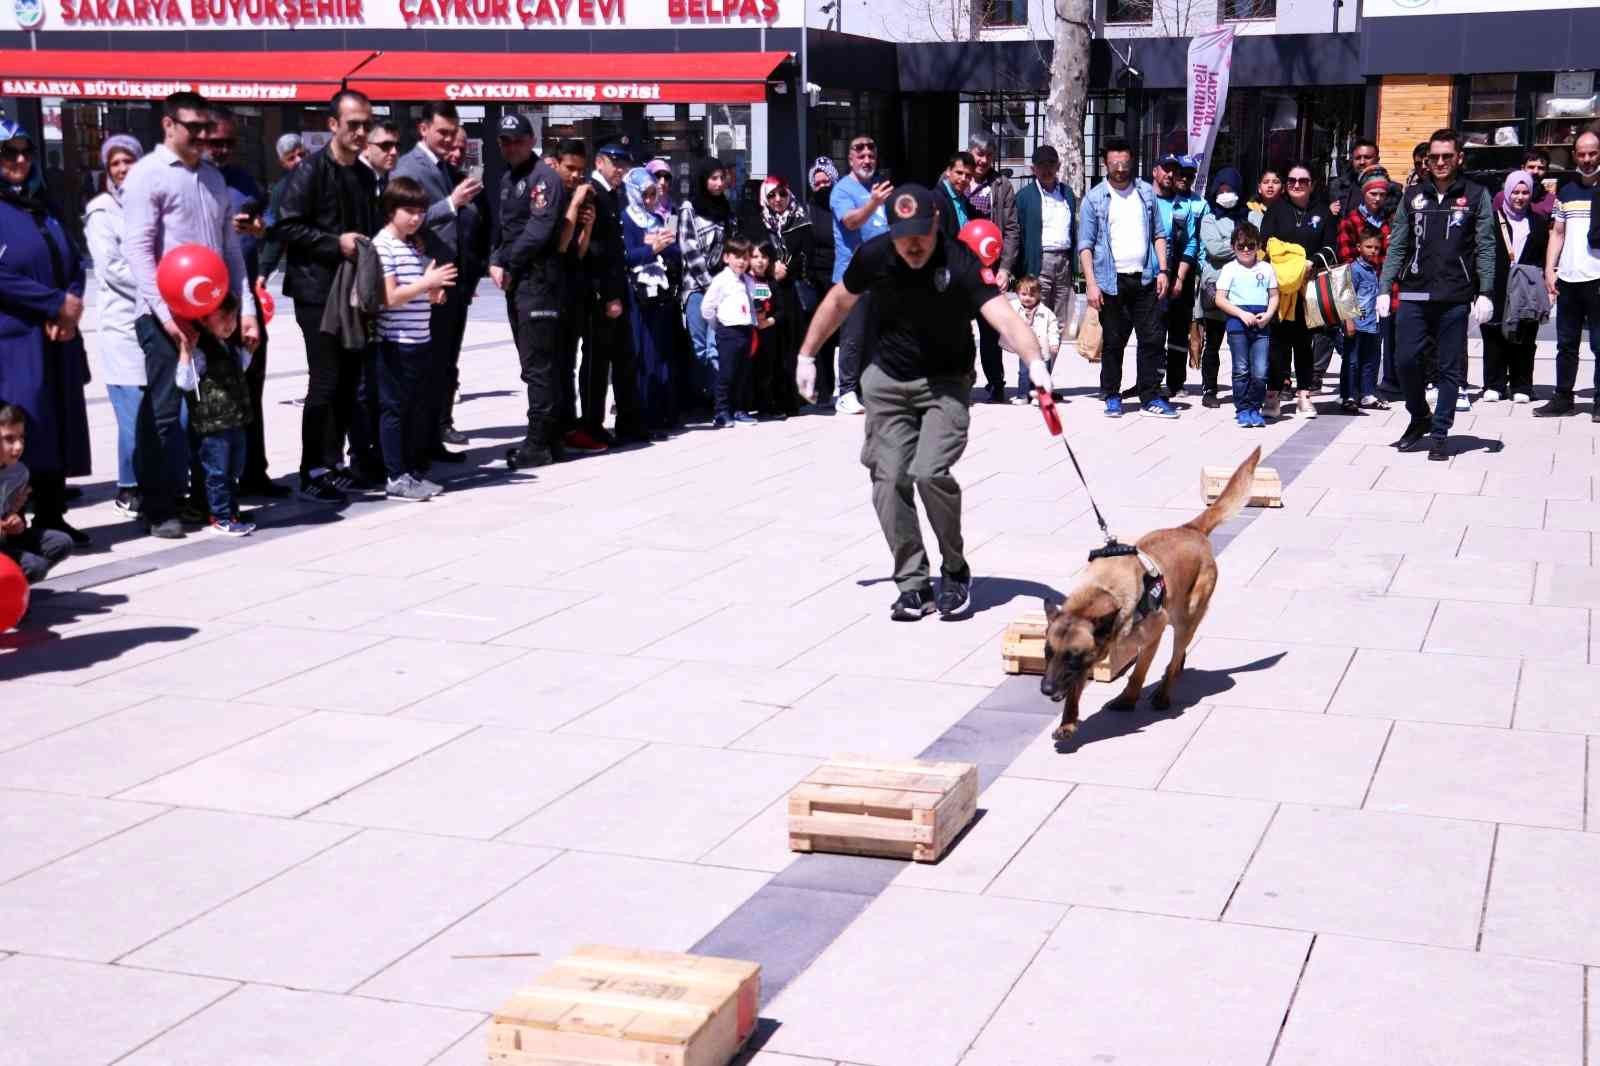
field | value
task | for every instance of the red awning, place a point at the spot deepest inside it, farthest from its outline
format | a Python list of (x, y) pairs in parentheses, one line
[(246, 76), (589, 77)]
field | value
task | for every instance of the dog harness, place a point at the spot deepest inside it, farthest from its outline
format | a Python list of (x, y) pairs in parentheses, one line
[(1154, 596)]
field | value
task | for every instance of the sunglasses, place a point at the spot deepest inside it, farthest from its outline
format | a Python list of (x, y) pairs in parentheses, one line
[(24, 151), (864, 146), (386, 146), (1446, 157), (364, 125), (1250, 247), (1299, 181), (198, 128)]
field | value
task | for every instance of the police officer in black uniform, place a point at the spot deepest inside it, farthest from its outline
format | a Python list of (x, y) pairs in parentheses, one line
[(1442, 253), (540, 220)]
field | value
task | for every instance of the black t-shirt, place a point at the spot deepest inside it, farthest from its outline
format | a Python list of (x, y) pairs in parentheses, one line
[(921, 319)]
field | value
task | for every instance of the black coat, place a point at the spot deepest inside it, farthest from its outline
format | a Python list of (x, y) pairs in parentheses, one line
[(605, 267), (821, 262), (322, 200)]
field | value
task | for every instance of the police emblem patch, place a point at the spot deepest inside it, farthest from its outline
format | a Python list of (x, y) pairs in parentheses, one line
[(1418, 202), (941, 277), (522, 187), (905, 205), (1461, 201), (540, 199)]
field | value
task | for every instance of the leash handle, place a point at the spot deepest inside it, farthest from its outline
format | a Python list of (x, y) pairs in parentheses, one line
[(1047, 408)]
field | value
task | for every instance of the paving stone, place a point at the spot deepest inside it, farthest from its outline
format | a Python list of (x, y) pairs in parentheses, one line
[(1323, 568), (829, 721), (316, 926), (117, 643), (1540, 903), (474, 613), (1428, 687), (39, 995), (1526, 545), (299, 766), (1175, 992), (275, 1025), (664, 802), (242, 662), (1569, 514), (1367, 873), (342, 603), (1484, 580), (1366, 1001), (36, 829), (619, 624), (959, 980), (1559, 697), (114, 896), (1560, 633), (1137, 850), (576, 899), (1477, 512), (1491, 775), (1389, 506), (1568, 585), (1131, 748), (538, 690), (1253, 752), (1291, 677), (1010, 812)]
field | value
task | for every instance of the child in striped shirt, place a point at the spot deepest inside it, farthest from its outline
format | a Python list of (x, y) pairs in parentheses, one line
[(412, 284)]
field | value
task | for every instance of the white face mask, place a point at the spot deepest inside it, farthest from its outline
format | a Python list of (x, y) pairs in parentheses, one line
[(1228, 200), (1590, 171)]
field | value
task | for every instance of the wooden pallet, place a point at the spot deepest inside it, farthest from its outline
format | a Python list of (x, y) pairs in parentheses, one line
[(605, 1006), (1022, 650), (911, 809), (1265, 491)]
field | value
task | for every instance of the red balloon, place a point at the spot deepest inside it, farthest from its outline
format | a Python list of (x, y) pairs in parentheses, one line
[(193, 280), (13, 593), (983, 237), (264, 301)]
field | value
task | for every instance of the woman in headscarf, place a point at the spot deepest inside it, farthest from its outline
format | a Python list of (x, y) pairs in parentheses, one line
[(790, 237), (660, 172), (703, 222), (1227, 209), (820, 180), (42, 364), (651, 254), (121, 358), (1508, 346)]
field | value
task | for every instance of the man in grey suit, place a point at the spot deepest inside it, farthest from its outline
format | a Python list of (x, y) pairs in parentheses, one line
[(450, 231)]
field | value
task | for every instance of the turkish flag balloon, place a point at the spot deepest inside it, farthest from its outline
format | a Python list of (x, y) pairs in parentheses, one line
[(13, 593), (983, 237), (192, 279), (264, 301)]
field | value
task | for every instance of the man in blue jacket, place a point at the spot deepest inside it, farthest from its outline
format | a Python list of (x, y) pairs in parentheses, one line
[(1122, 248), (1180, 218)]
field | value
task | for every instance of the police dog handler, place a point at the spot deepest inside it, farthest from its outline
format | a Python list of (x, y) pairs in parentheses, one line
[(925, 289)]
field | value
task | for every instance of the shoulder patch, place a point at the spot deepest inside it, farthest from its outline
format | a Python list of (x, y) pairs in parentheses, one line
[(540, 198)]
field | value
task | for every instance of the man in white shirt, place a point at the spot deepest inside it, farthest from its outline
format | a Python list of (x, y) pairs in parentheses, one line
[(1572, 273), (1048, 214)]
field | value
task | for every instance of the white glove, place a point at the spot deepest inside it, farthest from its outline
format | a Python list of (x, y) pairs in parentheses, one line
[(1383, 307), (1039, 375), (187, 377), (805, 377), (1482, 311)]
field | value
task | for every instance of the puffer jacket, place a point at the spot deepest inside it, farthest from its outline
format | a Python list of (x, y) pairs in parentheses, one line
[(121, 358)]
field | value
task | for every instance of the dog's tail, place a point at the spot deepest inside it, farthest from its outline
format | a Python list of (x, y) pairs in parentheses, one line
[(1234, 496)]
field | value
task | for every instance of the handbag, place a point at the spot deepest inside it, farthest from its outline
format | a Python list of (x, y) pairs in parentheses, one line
[(806, 293), (1090, 338)]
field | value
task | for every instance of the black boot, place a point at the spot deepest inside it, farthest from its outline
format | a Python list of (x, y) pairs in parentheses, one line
[(48, 489)]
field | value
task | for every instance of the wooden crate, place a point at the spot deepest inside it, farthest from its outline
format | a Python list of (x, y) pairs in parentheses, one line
[(911, 809), (1265, 491), (610, 1006), (1022, 650)]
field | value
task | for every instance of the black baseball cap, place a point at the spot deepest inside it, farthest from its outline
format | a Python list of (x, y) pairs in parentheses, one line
[(515, 124), (1046, 156), (1170, 161), (616, 151), (911, 211)]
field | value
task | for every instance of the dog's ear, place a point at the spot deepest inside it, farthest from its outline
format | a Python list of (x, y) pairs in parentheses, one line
[(1051, 609)]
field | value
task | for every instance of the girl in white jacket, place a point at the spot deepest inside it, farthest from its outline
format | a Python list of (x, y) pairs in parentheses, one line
[(1027, 301)]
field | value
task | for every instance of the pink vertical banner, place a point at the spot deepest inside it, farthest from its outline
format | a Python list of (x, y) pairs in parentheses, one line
[(1210, 60)]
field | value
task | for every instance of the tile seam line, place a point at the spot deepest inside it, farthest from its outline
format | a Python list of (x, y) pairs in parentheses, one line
[(181, 1021)]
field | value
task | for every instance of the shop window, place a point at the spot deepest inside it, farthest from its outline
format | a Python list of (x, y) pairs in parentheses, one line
[(1121, 12), (997, 14), (1242, 10)]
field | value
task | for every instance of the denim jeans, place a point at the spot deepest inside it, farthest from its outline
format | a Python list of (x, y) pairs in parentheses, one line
[(125, 403), (407, 418), (702, 344), (1577, 307), (1250, 348), (1421, 326), (1358, 370), (161, 452), (222, 457), (853, 345)]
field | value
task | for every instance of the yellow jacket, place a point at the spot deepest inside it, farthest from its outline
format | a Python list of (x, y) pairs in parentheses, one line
[(1289, 260)]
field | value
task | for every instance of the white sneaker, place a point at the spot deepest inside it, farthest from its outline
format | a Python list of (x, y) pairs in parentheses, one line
[(1432, 392), (1489, 396), (849, 405), (1463, 403), (1305, 407), (1521, 397)]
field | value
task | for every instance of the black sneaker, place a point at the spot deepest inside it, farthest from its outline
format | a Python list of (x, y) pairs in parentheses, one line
[(918, 603), (1210, 400), (1439, 450), (128, 501), (192, 512), (321, 490), (167, 529), (1413, 435), (524, 456), (452, 435), (1594, 416), (1559, 404), (954, 592)]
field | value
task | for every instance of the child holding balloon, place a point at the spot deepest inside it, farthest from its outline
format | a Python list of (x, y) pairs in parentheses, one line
[(211, 370), (34, 550)]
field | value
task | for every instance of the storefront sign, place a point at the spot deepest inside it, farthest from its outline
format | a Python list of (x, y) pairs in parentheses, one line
[(60, 15), (553, 92), (126, 89), (1210, 61), (1389, 8)]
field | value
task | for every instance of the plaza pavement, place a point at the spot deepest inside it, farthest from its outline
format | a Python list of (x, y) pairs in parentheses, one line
[(329, 794)]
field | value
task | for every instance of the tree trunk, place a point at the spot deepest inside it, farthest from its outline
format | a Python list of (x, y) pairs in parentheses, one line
[(1069, 88)]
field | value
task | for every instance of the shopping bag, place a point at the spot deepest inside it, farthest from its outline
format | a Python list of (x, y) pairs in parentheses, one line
[(1343, 283), (1090, 339)]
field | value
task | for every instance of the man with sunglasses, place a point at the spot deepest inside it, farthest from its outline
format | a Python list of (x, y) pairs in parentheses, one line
[(174, 196), (246, 200), (858, 216), (382, 152), (329, 207), (1442, 253)]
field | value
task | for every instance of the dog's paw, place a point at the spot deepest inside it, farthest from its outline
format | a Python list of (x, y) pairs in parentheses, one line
[(1161, 701), (1123, 703), (1064, 732)]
